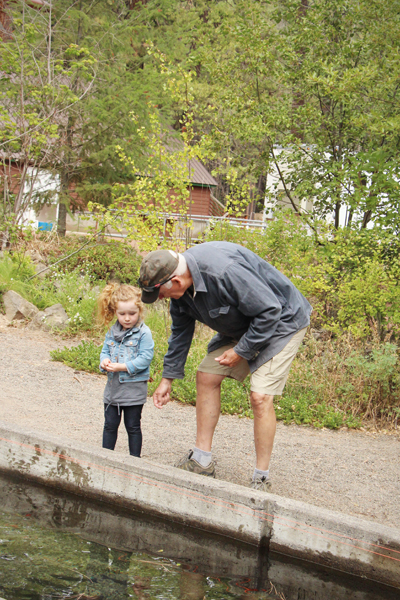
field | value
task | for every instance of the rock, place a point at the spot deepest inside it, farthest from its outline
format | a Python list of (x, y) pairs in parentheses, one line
[(321, 334), (39, 267), (35, 256), (17, 308), (38, 320), (52, 317)]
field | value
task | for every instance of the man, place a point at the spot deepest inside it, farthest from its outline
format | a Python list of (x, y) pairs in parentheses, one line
[(261, 319)]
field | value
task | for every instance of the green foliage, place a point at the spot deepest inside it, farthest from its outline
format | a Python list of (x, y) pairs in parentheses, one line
[(110, 260), (159, 187), (79, 299), (358, 381), (351, 279), (74, 291), (304, 400), (15, 270), (84, 357), (316, 100), (15, 267)]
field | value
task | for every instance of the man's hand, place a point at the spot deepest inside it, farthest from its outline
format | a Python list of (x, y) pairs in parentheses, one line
[(229, 358), (162, 394)]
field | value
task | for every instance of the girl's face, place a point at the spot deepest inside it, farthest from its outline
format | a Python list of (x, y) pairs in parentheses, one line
[(127, 314)]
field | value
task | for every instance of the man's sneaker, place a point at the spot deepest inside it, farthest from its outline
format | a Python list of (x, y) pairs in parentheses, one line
[(187, 463), (262, 484)]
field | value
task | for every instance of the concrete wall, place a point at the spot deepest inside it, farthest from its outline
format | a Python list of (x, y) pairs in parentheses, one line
[(272, 523), (211, 555)]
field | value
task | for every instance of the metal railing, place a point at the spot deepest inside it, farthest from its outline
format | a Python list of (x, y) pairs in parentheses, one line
[(187, 226)]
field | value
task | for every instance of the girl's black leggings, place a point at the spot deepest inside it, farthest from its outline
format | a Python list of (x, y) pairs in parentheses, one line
[(112, 419)]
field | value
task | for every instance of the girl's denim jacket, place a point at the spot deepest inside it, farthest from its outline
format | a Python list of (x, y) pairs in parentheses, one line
[(136, 350)]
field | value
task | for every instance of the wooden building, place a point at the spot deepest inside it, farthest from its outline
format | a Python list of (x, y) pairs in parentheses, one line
[(202, 186)]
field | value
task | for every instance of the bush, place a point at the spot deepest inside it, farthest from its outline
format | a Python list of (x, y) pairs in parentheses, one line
[(79, 299), (84, 357), (350, 277), (74, 291), (15, 271), (309, 397), (358, 382), (15, 268), (110, 260)]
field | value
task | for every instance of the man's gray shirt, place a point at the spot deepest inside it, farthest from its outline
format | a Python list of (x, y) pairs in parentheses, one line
[(243, 298)]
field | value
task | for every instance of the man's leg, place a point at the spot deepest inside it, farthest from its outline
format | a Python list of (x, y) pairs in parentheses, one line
[(266, 382), (208, 407), (264, 428)]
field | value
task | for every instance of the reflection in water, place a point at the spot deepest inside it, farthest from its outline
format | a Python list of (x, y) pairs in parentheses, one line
[(38, 562), (58, 546)]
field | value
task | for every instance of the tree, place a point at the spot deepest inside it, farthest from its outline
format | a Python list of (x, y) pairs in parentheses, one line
[(74, 74), (160, 186), (316, 80), (346, 123), (37, 93)]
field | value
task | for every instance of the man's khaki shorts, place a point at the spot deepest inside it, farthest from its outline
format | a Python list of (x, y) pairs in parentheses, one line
[(270, 378)]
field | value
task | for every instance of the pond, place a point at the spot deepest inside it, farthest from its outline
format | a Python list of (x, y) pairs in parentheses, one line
[(59, 546)]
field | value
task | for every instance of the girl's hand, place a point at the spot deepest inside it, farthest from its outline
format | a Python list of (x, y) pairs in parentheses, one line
[(104, 363), (115, 367)]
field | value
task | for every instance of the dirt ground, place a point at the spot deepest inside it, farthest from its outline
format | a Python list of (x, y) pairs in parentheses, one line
[(352, 472)]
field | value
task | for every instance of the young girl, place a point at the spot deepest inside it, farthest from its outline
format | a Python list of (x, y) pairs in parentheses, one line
[(126, 357)]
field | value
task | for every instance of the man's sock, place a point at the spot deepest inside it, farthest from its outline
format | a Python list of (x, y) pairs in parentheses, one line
[(202, 457), (258, 474)]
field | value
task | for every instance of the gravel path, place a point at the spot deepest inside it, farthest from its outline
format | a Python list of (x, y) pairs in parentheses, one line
[(353, 472)]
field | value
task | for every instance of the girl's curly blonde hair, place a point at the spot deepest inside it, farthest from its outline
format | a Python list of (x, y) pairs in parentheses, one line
[(114, 293)]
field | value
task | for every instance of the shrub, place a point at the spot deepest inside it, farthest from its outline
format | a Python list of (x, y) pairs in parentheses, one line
[(15, 267), (358, 382), (15, 271), (74, 291), (306, 399), (79, 299), (350, 277), (110, 260), (84, 357)]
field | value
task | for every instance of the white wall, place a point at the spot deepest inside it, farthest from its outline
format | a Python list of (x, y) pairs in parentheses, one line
[(40, 182)]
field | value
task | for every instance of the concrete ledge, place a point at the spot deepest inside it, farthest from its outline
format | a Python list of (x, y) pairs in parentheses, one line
[(272, 523)]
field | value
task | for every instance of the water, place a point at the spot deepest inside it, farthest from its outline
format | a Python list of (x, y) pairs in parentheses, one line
[(63, 547), (38, 563)]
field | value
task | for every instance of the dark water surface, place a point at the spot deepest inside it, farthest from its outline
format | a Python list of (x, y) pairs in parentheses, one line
[(60, 546)]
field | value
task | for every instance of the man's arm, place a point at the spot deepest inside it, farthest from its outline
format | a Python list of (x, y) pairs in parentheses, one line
[(254, 298), (182, 330)]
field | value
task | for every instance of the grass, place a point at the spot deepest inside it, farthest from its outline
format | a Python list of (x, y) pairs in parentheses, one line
[(332, 383), (84, 357), (303, 401), (76, 292)]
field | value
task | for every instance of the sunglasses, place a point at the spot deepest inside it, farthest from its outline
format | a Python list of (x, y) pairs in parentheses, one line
[(152, 288)]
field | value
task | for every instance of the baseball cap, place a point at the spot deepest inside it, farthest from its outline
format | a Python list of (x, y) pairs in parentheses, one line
[(156, 269)]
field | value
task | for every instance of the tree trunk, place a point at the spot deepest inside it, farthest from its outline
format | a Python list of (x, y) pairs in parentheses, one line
[(62, 219), (62, 206), (337, 214)]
